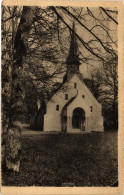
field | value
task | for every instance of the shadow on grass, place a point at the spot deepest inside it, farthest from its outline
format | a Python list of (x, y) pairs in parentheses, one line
[(66, 160)]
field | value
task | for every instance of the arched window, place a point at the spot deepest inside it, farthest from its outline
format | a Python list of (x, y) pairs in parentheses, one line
[(57, 107), (83, 96), (75, 85), (91, 108), (66, 96)]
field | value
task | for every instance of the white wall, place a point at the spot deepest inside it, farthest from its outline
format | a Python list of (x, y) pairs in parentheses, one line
[(52, 118)]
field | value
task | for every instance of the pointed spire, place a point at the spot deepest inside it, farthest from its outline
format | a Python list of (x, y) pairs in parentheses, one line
[(72, 59)]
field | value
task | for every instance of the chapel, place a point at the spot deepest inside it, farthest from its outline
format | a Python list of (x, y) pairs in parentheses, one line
[(73, 108)]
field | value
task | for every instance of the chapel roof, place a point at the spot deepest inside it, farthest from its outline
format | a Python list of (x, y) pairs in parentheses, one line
[(69, 102), (72, 62), (73, 58), (61, 85)]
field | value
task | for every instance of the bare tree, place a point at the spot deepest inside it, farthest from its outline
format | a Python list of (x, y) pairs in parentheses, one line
[(101, 40), (13, 144), (26, 40), (103, 83)]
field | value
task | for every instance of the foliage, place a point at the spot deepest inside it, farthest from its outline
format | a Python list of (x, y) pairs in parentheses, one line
[(48, 44), (103, 83), (35, 45)]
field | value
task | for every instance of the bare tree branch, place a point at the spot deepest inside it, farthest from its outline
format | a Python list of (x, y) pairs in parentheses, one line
[(105, 11)]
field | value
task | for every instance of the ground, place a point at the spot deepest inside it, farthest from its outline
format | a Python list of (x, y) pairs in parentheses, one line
[(66, 160)]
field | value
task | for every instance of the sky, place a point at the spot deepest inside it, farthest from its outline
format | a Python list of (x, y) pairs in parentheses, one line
[(98, 30), (91, 24)]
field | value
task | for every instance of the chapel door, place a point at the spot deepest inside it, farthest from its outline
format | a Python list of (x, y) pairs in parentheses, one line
[(78, 118)]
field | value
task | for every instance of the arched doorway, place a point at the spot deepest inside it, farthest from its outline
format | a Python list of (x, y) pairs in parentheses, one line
[(78, 119)]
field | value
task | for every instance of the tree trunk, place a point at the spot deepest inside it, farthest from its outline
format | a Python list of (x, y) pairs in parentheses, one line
[(6, 87), (13, 140)]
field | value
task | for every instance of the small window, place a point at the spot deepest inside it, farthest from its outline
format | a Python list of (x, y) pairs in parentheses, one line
[(57, 107), (75, 85), (83, 96), (91, 108), (66, 96)]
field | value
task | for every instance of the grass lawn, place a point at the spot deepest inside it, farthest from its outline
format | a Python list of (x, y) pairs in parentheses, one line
[(66, 159)]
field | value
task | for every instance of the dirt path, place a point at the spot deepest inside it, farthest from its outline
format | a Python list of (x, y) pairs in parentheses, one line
[(27, 131)]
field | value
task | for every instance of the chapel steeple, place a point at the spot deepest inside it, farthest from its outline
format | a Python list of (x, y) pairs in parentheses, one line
[(72, 61)]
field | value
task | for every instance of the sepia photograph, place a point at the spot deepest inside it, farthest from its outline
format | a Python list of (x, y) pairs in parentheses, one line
[(60, 113)]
